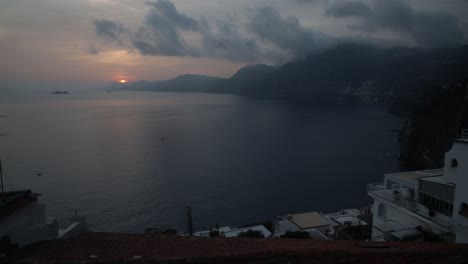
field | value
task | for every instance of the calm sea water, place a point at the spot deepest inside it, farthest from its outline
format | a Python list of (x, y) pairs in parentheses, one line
[(235, 160)]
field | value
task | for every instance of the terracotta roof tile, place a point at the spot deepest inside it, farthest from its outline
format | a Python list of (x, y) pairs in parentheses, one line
[(118, 248)]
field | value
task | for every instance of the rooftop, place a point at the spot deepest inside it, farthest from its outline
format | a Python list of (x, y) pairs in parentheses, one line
[(417, 174), (348, 219), (307, 220), (412, 177), (406, 232), (12, 201), (440, 179), (128, 248), (206, 233), (236, 232)]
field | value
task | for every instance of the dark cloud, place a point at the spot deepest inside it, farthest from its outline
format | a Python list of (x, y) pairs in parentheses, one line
[(287, 34), (427, 29), (310, 1), (92, 50), (347, 9), (226, 41), (108, 29), (165, 11), (265, 37), (160, 33)]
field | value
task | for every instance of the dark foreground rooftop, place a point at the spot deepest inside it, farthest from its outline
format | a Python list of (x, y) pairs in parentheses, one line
[(10, 202), (137, 248)]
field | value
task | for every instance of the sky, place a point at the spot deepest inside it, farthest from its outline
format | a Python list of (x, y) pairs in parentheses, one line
[(110, 40)]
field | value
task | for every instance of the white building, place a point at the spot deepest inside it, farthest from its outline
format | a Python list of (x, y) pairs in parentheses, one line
[(345, 218), (305, 222), (23, 220), (435, 201), (227, 231), (259, 228), (206, 233)]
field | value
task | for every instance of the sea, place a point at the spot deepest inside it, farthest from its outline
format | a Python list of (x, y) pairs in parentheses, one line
[(135, 160)]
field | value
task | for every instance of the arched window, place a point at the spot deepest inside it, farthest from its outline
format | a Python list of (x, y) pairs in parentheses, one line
[(454, 163), (382, 213)]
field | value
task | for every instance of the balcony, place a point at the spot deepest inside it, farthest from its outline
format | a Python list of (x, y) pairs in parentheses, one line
[(394, 196), (464, 134), (405, 200)]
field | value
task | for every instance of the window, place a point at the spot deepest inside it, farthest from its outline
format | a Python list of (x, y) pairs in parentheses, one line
[(454, 163), (437, 197), (382, 211), (463, 210)]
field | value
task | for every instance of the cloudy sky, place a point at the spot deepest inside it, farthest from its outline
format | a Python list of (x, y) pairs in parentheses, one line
[(108, 40)]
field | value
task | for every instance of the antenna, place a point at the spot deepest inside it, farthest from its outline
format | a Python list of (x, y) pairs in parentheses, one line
[(1, 177), (189, 218)]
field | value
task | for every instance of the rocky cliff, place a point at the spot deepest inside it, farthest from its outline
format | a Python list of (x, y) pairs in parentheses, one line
[(345, 74), (431, 130)]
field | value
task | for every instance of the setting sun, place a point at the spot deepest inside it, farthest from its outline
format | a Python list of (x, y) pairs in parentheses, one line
[(123, 81)]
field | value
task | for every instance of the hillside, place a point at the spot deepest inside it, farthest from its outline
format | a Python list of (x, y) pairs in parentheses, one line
[(358, 73), (434, 125), (348, 73)]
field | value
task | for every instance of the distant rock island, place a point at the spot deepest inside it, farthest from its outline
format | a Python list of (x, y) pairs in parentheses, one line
[(60, 92)]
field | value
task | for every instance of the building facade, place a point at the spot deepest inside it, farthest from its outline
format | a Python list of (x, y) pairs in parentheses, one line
[(23, 220), (433, 202)]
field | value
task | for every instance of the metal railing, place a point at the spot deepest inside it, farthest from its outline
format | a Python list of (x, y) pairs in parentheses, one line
[(378, 186), (395, 197), (59, 226), (64, 223), (464, 134)]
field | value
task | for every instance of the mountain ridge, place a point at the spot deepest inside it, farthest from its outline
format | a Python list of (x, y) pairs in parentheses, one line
[(345, 74)]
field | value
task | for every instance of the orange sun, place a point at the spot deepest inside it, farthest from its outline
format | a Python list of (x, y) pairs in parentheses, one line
[(123, 81)]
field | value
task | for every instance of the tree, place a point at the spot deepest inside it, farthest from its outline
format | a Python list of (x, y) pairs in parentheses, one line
[(251, 233), (296, 234)]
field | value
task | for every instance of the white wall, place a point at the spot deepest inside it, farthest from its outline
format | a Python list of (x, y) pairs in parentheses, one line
[(459, 176), (75, 229), (396, 219), (322, 229), (26, 225), (284, 226)]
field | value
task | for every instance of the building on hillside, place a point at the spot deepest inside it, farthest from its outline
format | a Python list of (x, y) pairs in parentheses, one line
[(350, 224), (304, 222), (218, 230), (23, 220), (260, 228), (227, 231), (434, 202)]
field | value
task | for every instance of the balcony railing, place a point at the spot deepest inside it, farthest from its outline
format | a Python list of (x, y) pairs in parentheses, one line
[(63, 227), (464, 134), (409, 203), (64, 223), (393, 196), (379, 186)]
